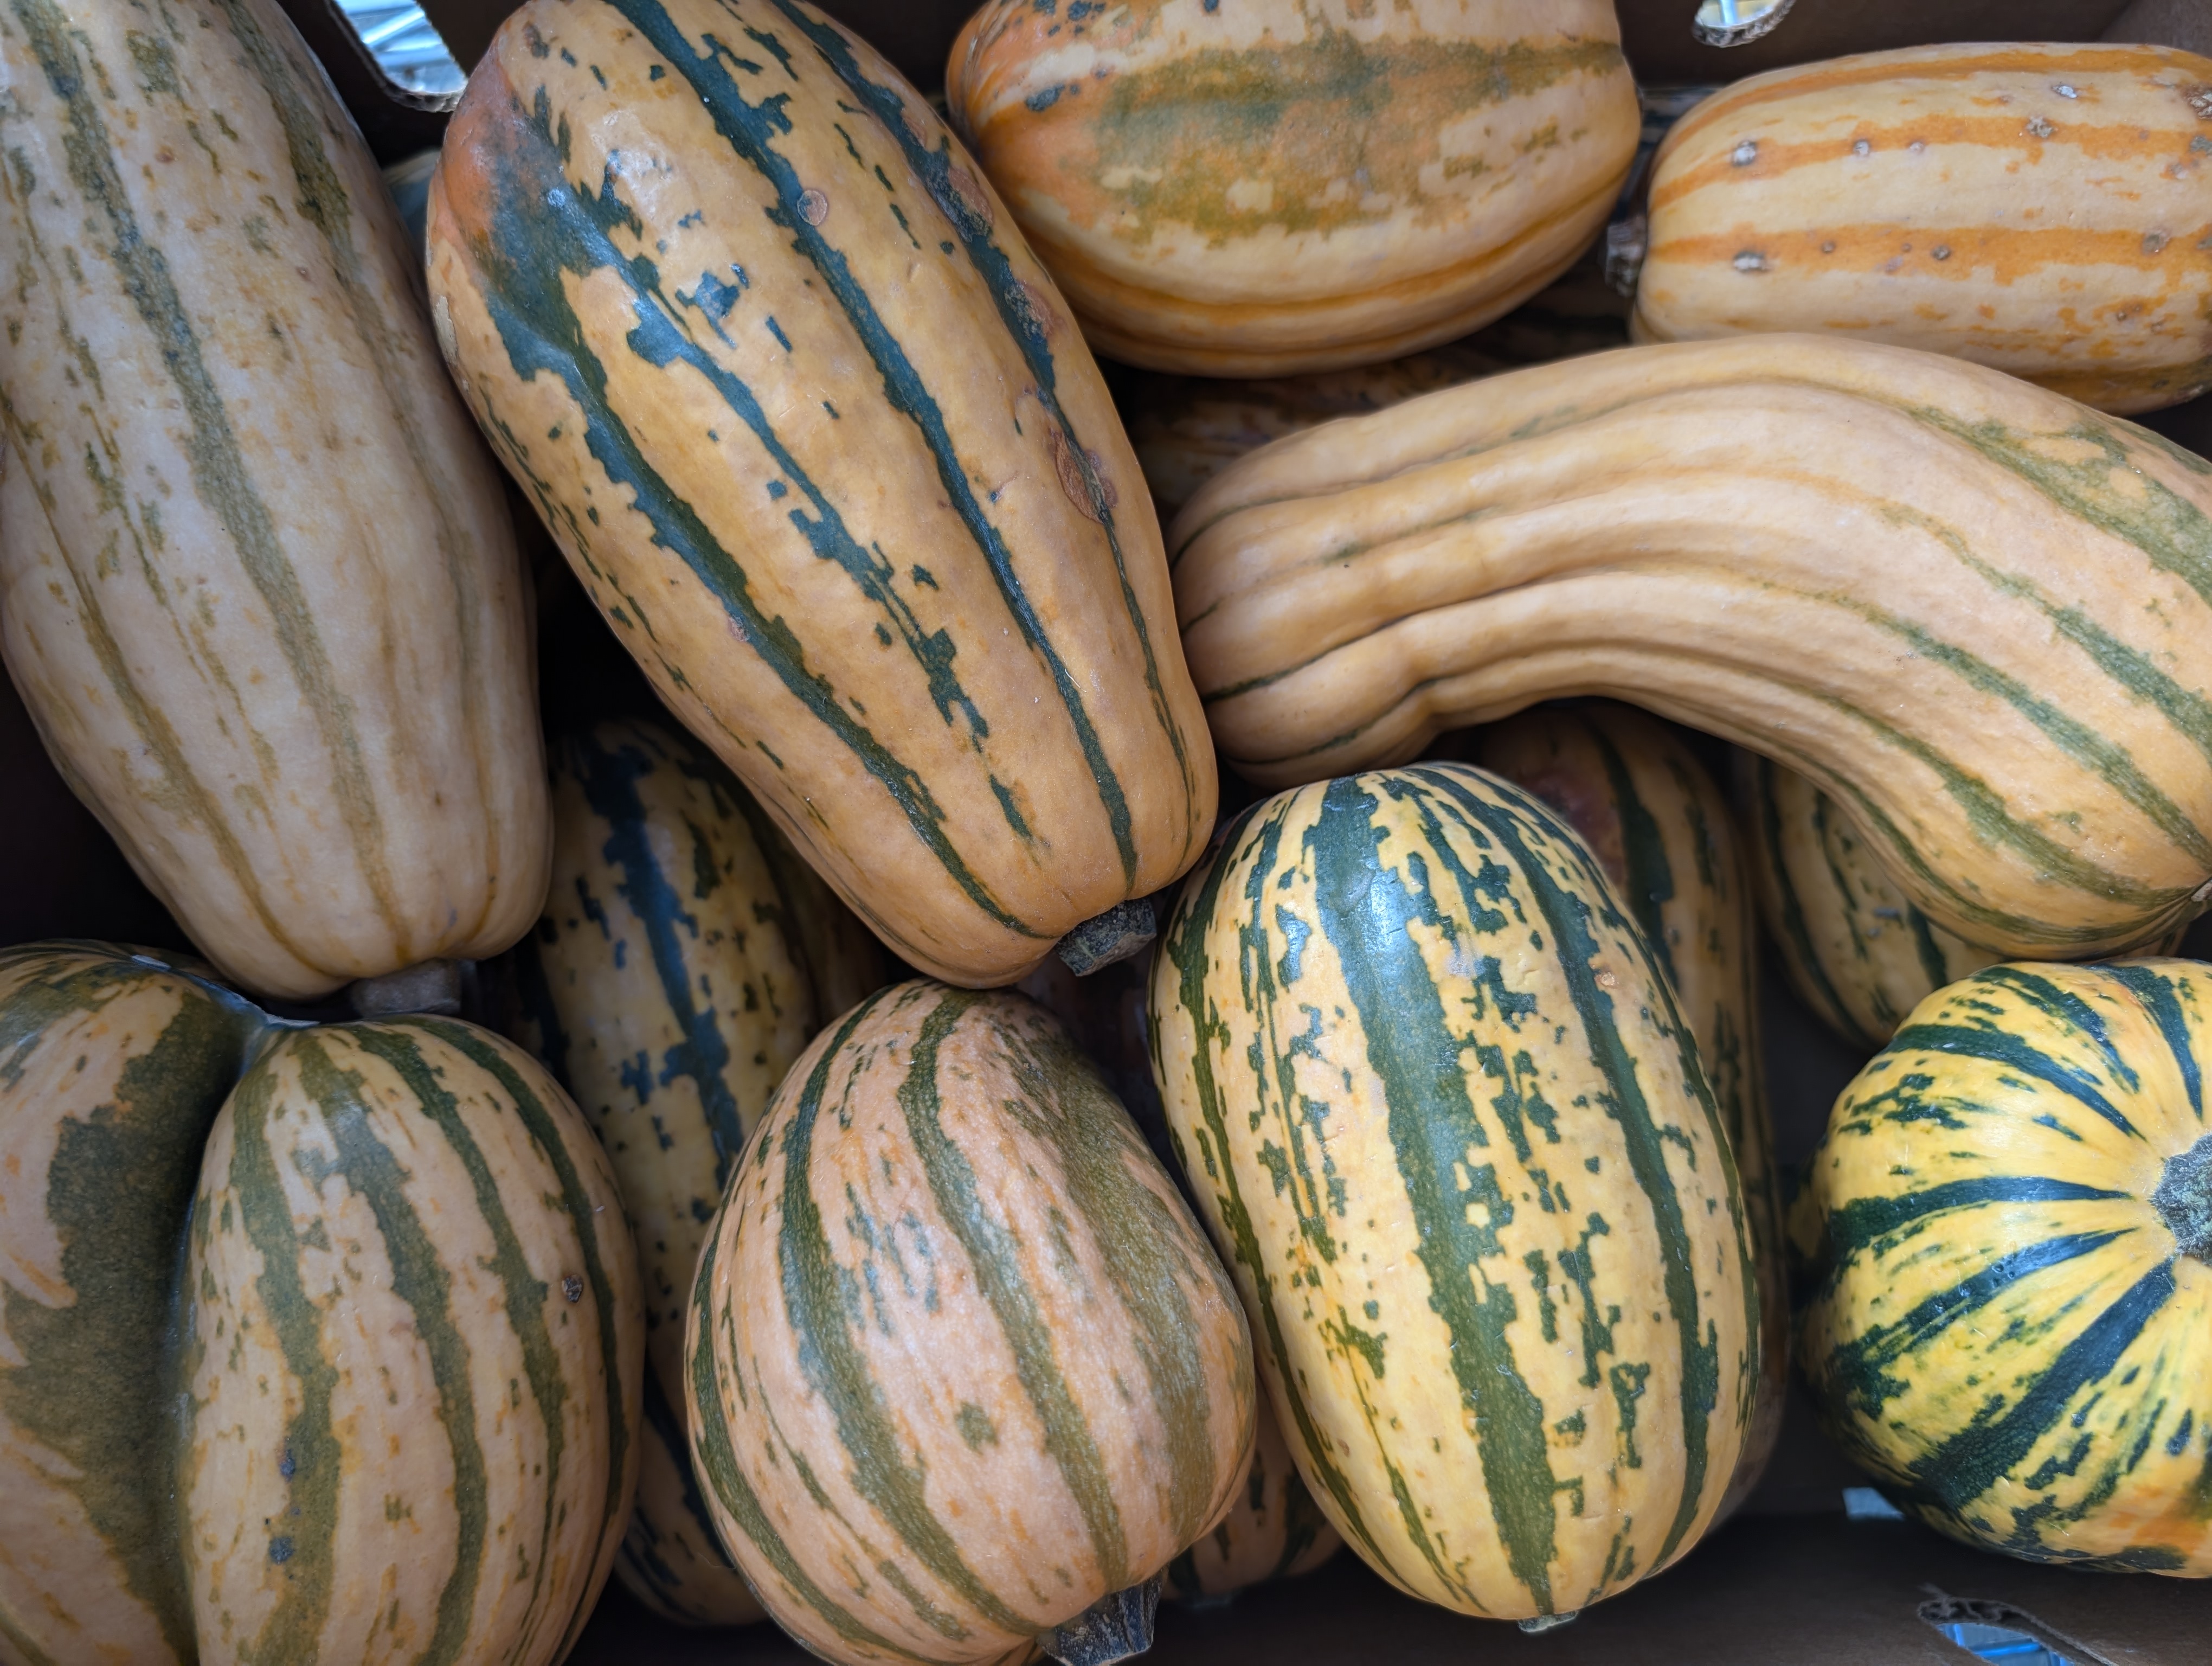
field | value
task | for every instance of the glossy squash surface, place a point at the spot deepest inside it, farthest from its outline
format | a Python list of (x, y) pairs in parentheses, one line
[(1449, 1129), (2007, 1231), (815, 431)]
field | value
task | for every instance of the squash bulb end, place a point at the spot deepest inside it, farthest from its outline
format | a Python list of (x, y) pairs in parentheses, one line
[(1117, 1627)]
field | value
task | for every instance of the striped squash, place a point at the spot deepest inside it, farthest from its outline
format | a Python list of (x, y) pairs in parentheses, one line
[(258, 583), (961, 1364), (1186, 429), (1976, 614), (1659, 828), (670, 985), (1857, 950), (368, 1387), (1272, 188), (2007, 1228), (2041, 208), (1272, 1529), (829, 457), (1449, 1131)]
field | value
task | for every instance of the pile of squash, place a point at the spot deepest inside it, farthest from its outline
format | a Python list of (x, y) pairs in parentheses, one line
[(854, 1130)]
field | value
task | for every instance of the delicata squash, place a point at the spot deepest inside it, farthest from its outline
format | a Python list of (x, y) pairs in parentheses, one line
[(818, 435), (1976, 614)]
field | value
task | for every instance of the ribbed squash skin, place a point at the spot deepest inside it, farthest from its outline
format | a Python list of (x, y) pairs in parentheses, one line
[(2010, 1314), (258, 584), (1660, 828), (1272, 186), (830, 457), (2039, 208), (1273, 1529), (961, 1363), (1976, 614), (670, 984), (1860, 955), (369, 1390), (1186, 429), (1451, 1135)]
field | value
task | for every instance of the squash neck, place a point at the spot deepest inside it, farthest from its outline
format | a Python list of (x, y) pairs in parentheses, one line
[(2184, 1199)]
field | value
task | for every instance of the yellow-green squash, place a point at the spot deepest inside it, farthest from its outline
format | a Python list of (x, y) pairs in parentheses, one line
[(816, 434), (2041, 208), (1451, 1132), (258, 585), (2009, 1312), (961, 1363), (686, 956), (1976, 614), (1659, 828), (317, 1343), (1856, 950), (1271, 186), (1272, 1530)]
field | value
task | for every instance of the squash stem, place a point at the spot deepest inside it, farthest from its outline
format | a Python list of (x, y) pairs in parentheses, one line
[(1117, 1627), (427, 985), (1120, 932)]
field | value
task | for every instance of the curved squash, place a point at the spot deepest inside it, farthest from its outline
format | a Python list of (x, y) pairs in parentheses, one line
[(828, 457), (669, 986), (1272, 1529), (1976, 614), (948, 1259), (258, 585), (1266, 189), (323, 1404), (2007, 1226), (1857, 950), (2038, 208), (1661, 830), (1448, 1130), (1186, 429)]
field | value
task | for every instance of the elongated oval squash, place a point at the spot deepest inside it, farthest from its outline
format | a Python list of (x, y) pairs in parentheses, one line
[(669, 986), (1272, 1529), (369, 1386), (954, 1326), (1975, 613), (1275, 187), (258, 585), (2040, 208), (2006, 1229), (1451, 1135), (1186, 429), (812, 427), (1857, 950), (1659, 828)]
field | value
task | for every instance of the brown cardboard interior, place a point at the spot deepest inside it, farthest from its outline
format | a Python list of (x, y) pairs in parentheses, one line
[(1792, 1580)]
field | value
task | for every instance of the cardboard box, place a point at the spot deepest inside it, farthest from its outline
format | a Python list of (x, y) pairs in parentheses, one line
[(1794, 1579)]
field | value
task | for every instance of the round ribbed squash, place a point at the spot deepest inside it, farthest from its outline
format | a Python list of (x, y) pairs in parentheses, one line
[(954, 1326), (317, 1343), (2038, 208), (2006, 1231), (1857, 950), (1659, 828), (1186, 429), (1451, 1135), (1975, 613), (258, 585), (686, 958), (1272, 1529), (813, 429), (1263, 188)]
